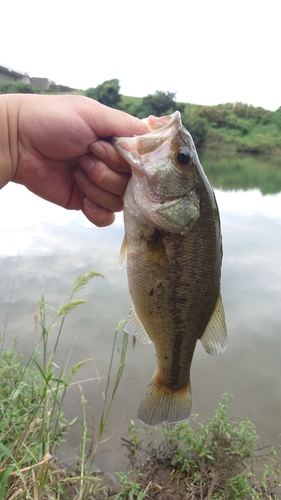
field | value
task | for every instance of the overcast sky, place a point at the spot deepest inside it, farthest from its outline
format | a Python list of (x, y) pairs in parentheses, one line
[(207, 51)]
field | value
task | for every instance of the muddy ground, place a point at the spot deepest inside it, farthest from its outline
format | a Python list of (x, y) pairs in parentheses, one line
[(160, 481), (157, 480)]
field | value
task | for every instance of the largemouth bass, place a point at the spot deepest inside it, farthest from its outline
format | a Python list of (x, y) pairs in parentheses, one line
[(173, 249)]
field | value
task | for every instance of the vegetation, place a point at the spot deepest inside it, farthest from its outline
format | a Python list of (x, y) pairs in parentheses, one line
[(17, 88), (158, 104), (107, 93), (189, 460), (32, 421), (233, 171), (217, 461), (235, 127)]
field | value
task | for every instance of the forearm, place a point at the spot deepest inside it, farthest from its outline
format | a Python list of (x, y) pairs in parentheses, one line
[(9, 112)]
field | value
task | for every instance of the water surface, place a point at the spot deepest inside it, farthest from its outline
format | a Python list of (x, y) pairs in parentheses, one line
[(44, 248)]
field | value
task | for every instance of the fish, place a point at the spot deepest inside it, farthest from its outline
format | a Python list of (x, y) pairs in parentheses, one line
[(173, 250)]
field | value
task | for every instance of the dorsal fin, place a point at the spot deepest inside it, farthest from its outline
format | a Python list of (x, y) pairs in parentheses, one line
[(214, 338)]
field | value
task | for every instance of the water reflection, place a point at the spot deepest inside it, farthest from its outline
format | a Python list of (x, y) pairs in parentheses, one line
[(45, 248), (242, 171)]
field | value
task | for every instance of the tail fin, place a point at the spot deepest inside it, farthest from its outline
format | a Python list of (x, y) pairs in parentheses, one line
[(160, 404)]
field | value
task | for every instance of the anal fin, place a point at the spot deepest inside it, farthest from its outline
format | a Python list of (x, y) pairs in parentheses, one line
[(214, 338)]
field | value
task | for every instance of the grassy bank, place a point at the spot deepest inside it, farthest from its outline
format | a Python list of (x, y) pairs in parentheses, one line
[(217, 460), (32, 421)]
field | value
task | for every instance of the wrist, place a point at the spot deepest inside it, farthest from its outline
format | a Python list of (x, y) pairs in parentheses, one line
[(9, 112)]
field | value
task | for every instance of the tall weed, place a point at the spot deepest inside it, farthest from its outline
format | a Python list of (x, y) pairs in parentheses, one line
[(32, 419)]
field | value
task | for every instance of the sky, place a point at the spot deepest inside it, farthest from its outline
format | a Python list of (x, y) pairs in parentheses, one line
[(207, 52)]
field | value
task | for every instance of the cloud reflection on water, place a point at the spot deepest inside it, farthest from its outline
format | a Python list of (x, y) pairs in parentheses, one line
[(55, 246)]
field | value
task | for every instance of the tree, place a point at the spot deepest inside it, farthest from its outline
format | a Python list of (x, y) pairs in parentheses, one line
[(160, 103), (106, 93), (196, 125)]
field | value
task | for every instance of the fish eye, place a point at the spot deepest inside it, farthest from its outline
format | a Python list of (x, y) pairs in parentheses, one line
[(183, 157)]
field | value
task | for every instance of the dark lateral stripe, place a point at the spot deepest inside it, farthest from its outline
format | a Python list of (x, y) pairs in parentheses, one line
[(180, 361)]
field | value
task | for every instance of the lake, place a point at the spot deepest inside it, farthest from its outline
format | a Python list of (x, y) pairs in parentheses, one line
[(44, 248)]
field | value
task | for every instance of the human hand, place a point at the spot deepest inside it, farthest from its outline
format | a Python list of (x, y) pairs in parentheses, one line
[(58, 152)]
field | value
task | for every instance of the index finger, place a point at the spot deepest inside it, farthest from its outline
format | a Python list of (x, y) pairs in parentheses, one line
[(108, 154)]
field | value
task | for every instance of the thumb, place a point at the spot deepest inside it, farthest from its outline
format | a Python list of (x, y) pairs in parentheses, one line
[(106, 121)]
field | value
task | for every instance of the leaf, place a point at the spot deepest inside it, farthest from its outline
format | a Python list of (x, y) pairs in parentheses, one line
[(14, 464)]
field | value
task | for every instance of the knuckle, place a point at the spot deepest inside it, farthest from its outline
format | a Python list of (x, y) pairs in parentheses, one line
[(100, 174)]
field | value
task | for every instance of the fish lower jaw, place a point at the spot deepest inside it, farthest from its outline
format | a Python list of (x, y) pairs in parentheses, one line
[(175, 216)]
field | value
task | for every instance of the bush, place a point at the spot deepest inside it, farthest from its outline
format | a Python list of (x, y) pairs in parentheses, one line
[(215, 461), (18, 88)]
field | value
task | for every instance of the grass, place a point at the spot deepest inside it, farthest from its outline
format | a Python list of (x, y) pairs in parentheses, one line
[(217, 460), (32, 420)]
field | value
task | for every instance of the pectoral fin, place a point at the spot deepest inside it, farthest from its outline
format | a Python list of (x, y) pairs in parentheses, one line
[(133, 326), (214, 338)]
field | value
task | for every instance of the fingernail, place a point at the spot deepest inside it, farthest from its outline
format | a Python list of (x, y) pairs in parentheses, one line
[(81, 177), (93, 207)]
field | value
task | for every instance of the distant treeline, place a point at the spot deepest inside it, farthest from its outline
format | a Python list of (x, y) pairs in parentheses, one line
[(232, 127)]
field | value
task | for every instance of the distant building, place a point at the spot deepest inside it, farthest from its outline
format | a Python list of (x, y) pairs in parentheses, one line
[(8, 74), (42, 83)]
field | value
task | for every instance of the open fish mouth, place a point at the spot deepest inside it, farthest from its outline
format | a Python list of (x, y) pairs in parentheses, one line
[(160, 131), (162, 125)]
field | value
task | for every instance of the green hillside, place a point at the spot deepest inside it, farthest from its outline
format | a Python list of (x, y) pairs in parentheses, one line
[(230, 127)]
